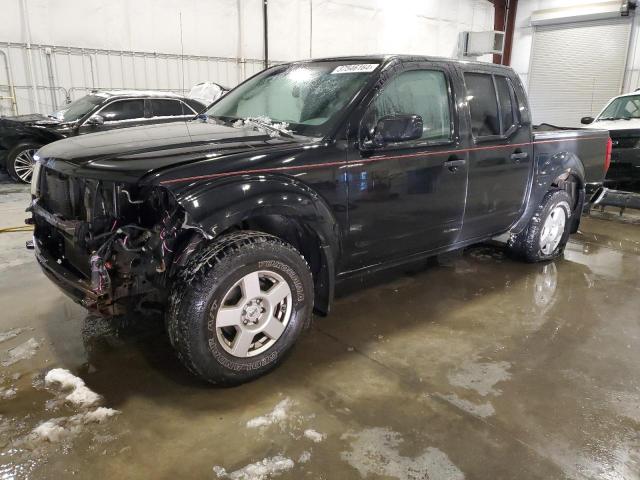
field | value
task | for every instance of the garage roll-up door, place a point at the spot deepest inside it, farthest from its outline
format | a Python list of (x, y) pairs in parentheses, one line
[(576, 68)]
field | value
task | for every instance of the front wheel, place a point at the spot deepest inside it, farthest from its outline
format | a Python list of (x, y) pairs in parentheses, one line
[(20, 161), (547, 233), (239, 307)]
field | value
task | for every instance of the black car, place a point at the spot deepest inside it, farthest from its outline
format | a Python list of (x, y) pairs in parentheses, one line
[(239, 223), (22, 136)]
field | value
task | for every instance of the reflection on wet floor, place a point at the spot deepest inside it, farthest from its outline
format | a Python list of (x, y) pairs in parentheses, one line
[(475, 366)]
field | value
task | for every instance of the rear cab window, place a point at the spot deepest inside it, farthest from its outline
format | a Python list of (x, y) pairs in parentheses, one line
[(492, 105), (168, 108)]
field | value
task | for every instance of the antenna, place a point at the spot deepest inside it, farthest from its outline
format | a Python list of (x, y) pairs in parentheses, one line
[(181, 51)]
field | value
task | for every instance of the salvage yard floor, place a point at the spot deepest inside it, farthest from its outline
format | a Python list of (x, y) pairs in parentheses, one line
[(478, 367)]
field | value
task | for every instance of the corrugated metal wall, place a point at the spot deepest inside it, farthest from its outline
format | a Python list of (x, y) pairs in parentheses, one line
[(77, 45)]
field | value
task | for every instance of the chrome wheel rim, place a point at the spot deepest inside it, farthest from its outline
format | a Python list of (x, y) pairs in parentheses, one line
[(553, 230), (24, 163), (253, 314)]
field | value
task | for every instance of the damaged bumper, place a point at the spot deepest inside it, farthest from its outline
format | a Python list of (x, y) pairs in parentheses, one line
[(74, 286)]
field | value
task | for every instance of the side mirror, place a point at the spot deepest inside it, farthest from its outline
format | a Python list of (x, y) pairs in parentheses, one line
[(396, 128), (586, 120), (95, 120)]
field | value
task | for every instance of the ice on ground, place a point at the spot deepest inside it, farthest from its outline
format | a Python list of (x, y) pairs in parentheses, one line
[(481, 376), (262, 470), (375, 451), (80, 394), (482, 410), (9, 334), (278, 415), (8, 393), (21, 352), (314, 436)]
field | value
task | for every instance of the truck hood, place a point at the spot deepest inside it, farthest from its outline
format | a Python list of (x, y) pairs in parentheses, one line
[(632, 124), (128, 154)]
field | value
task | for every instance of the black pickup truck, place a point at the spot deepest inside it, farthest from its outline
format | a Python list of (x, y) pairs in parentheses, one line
[(239, 223)]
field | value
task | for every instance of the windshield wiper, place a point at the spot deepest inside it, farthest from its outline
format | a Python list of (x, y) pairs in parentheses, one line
[(282, 131), (613, 118)]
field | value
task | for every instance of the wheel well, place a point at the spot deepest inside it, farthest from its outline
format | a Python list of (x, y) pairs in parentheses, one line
[(307, 242), (572, 185)]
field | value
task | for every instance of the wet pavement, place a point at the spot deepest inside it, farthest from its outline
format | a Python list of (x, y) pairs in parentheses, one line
[(476, 367)]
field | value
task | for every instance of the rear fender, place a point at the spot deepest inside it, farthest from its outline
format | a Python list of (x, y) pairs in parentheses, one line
[(550, 171)]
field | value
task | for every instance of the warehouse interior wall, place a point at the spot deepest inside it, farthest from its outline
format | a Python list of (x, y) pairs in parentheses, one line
[(523, 36), (57, 50)]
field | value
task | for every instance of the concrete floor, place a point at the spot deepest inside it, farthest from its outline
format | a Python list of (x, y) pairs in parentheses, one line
[(478, 368)]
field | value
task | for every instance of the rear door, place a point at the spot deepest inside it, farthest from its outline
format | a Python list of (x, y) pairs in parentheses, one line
[(500, 155), (162, 110), (406, 197)]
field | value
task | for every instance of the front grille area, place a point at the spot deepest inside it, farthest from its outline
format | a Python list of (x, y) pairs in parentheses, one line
[(57, 194), (625, 142)]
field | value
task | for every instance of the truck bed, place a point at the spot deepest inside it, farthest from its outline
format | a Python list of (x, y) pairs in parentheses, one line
[(588, 145)]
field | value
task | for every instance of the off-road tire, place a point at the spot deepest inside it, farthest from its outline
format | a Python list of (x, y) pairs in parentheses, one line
[(526, 245), (13, 153), (202, 285)]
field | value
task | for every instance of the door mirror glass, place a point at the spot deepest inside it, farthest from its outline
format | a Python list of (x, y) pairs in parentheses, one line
[(586, 120), (95, 120), (397, 128)]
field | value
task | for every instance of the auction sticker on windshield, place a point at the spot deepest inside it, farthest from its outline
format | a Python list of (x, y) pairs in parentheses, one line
[(357, 68)]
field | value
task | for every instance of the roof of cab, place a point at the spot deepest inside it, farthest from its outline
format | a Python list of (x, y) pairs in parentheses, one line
[(386, 58), (135, 93)]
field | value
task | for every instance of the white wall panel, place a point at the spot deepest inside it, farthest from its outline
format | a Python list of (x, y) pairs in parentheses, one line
[(136, 44)]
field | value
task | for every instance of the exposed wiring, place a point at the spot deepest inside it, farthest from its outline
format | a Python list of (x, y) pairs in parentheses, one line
[(20, 228)]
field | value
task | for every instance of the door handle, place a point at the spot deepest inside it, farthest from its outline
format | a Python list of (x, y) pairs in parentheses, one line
[(454, 163), (517, 156)]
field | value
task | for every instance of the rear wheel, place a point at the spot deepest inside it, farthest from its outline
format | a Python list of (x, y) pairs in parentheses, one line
[(20, 161), (547, 233), (239, 307)]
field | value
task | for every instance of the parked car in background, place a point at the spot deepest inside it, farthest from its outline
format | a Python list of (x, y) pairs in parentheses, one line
[(22, 136), (239, 223), (621, 117)]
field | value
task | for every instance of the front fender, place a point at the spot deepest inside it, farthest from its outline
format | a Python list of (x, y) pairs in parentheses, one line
[(218, 205), (549, 170)]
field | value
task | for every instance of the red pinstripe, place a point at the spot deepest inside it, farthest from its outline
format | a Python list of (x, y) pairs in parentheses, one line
[(378, 158)]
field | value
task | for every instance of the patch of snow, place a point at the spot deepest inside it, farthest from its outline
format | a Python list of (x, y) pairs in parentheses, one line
[(304, 457), (99, 415), (53, 430), (483, 410), (22, 352), (8, 393), (278, 415), (261, 124), (262, 470), (61, 428), (375, 451), (481, 376), (314, 436), (9, 334), (80, 394)]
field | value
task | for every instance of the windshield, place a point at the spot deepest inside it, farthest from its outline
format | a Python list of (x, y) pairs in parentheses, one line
[(622, 108), (78, 109), (306, 97)]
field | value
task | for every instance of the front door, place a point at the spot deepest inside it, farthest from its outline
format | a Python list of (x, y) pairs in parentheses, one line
[(500, 156), (406, 197), (118, 114)]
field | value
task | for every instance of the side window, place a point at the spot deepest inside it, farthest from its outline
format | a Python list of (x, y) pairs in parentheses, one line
[(421, 92), (505, 96), (168, 108), (123, 110), (491, 105), (483, 104)]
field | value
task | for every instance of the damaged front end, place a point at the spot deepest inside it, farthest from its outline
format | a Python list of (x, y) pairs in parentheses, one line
[(110, 246)]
